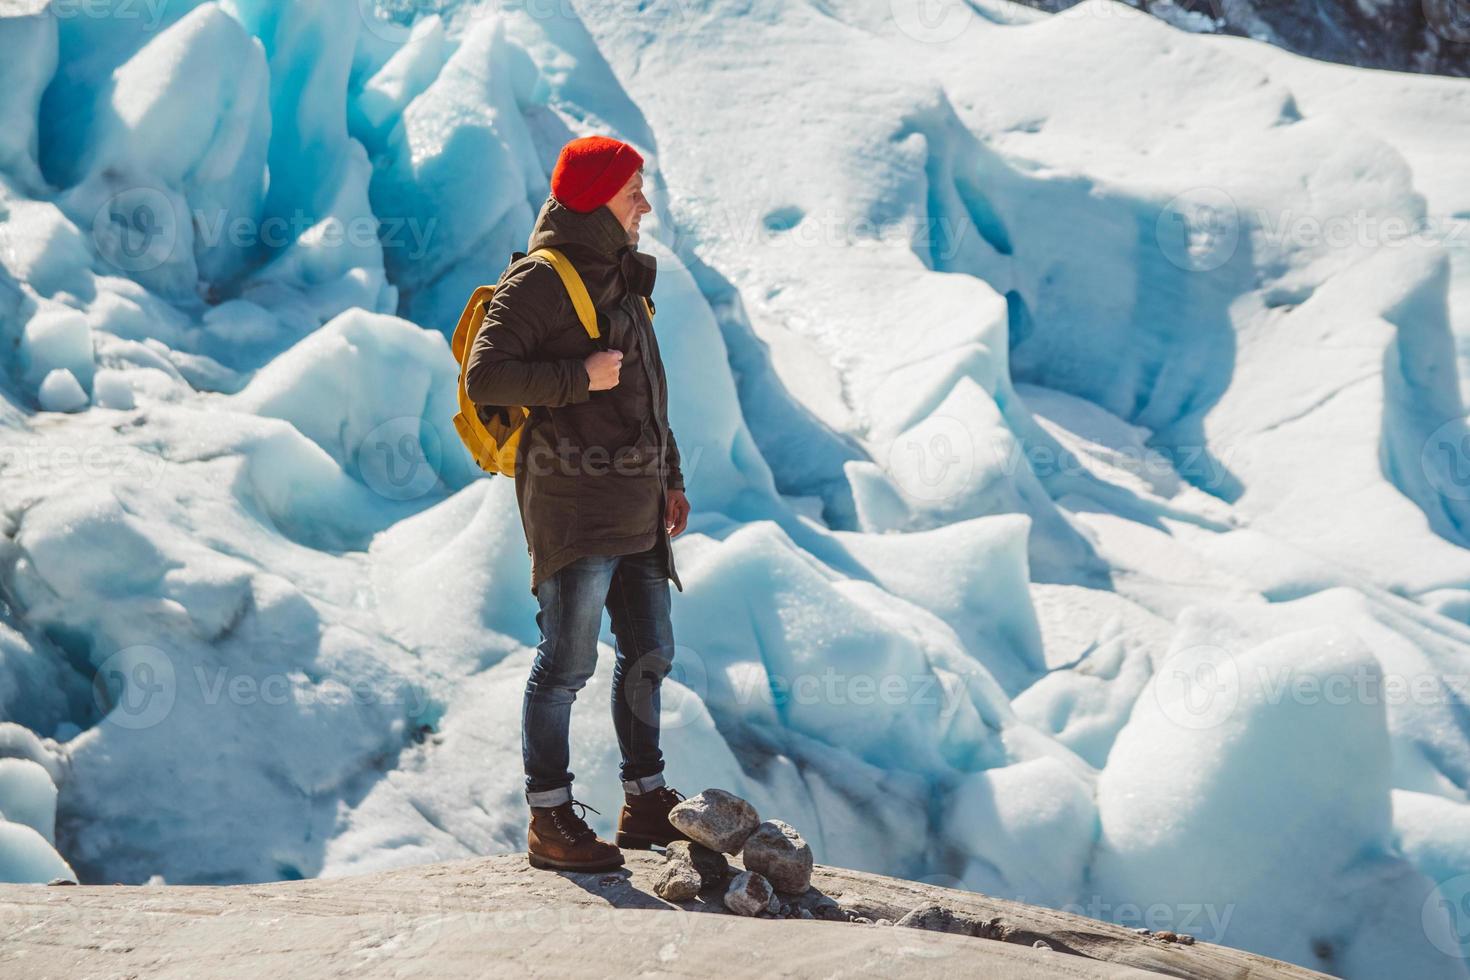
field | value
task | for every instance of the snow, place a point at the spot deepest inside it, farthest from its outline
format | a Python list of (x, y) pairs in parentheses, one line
[(1029, 389), (110, 389), (41, 247)]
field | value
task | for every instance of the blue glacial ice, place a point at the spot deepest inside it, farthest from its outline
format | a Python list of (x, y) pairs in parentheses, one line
[(1070, 406)]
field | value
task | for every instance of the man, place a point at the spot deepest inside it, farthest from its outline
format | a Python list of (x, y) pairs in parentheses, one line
[(599, 488)]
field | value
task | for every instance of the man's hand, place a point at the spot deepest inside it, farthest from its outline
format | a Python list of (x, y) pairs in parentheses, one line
[(676, 513), (602, 369)]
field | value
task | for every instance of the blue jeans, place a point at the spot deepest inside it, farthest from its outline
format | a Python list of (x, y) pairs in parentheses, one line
[(635, 591)]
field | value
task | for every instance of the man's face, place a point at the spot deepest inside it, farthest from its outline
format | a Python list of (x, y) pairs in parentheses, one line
[(629, 206)]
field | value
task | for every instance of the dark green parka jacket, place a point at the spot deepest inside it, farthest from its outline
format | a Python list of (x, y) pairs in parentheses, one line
[(592, 467)]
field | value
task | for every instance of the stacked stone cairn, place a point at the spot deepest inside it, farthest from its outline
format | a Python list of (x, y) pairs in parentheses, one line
[(777, 860)]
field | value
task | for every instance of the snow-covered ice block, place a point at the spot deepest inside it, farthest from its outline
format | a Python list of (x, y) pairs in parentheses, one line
[(61, 392), (1033, 824), (28, 796), (377, 394), (30, 45), (27, 858), (58, 338), (1200, 804), (410, 70)]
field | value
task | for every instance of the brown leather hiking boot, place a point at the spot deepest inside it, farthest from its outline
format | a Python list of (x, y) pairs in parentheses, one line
[(644, 821), (560, 839)]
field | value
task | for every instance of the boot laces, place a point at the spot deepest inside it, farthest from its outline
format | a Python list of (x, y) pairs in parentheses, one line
[(661, 797), (575, 826)]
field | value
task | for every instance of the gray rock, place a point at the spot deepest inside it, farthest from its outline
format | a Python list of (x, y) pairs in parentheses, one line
[(828, 910), (777, 851), (679, 882), (805, 914), (719, 820), (713, 869), (749, 894), (773, 904), (937, 918)]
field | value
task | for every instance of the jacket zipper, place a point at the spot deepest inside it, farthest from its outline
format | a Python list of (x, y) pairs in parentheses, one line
[(646, 354)]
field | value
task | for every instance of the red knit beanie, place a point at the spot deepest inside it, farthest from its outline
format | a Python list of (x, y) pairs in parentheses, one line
[(591, 170)]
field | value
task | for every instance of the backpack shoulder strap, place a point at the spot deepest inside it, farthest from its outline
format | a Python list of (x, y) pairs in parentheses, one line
[(581, 301), (469, 321)]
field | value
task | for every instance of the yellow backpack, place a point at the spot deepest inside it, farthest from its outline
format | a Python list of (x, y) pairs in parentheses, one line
[(493, 444)]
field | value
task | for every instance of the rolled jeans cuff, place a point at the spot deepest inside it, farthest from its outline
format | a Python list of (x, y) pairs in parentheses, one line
[(549, 797), (645, 784)]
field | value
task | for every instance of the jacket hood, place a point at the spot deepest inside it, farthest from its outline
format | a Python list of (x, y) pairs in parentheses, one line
[(595, 233), (598, 230)]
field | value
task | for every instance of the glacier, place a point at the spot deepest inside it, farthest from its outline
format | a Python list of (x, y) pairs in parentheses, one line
[(1071, 410)]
